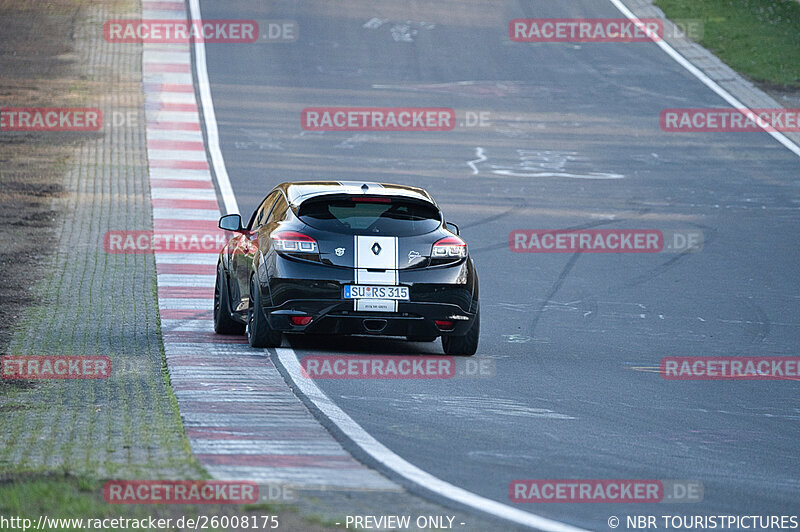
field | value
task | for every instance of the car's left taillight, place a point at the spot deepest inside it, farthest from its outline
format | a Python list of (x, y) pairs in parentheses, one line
[(449, 248), (294, 243)]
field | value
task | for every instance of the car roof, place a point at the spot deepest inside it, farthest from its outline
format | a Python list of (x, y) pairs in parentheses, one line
[(299, 191)]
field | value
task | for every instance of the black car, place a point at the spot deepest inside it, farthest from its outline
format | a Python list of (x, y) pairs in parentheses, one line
[(347, 258)]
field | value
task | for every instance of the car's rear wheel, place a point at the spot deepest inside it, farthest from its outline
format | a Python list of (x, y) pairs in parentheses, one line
[(467, 344), (223, 323), (259, 333)]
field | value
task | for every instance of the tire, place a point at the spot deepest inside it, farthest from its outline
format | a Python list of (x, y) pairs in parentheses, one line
[(223, 323), (421, 338), (259, 333), (465, 345)]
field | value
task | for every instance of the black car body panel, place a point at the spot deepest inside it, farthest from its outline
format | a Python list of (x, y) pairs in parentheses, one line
[(396, 249)]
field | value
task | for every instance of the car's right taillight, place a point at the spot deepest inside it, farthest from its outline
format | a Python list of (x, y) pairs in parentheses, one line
[(449, 248)]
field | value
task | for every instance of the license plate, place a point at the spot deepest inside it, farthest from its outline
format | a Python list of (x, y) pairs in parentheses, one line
[(375, 292)]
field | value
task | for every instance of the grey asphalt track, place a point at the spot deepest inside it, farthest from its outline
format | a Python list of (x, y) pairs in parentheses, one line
[(576, 339)]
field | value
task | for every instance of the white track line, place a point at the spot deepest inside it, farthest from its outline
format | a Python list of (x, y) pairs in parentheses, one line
[(382, 454), (289, 359), (210, 119), (710, 83)]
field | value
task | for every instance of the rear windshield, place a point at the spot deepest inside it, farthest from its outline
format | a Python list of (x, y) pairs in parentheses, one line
[(381, 216)]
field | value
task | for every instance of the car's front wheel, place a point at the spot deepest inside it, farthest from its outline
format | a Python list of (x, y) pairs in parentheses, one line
[(467, 344), (259, 333), (223, 323)]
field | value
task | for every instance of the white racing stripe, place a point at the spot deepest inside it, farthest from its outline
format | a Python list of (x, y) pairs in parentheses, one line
[(289, 360), (382, 454), (385, 259), (708, 82), (376, 252)]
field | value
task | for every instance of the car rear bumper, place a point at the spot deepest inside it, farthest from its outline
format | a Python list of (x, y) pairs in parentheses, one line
[(339, 317), (315, 290)]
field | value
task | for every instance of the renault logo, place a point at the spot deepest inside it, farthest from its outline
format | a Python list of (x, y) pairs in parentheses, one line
[(376, 248)]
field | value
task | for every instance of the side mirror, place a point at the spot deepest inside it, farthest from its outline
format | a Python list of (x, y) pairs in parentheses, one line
[(454, 227), (231, 222)]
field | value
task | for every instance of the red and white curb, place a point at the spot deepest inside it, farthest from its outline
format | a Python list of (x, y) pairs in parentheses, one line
[(242, 419)]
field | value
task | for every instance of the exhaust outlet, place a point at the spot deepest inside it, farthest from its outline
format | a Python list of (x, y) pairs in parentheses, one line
[(374, 325)]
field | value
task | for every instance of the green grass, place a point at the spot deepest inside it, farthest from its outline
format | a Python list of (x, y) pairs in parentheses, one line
[(70, 495), (758, 38), (58, 496)]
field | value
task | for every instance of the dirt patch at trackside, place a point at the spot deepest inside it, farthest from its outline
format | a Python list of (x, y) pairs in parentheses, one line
[(37, 69)]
